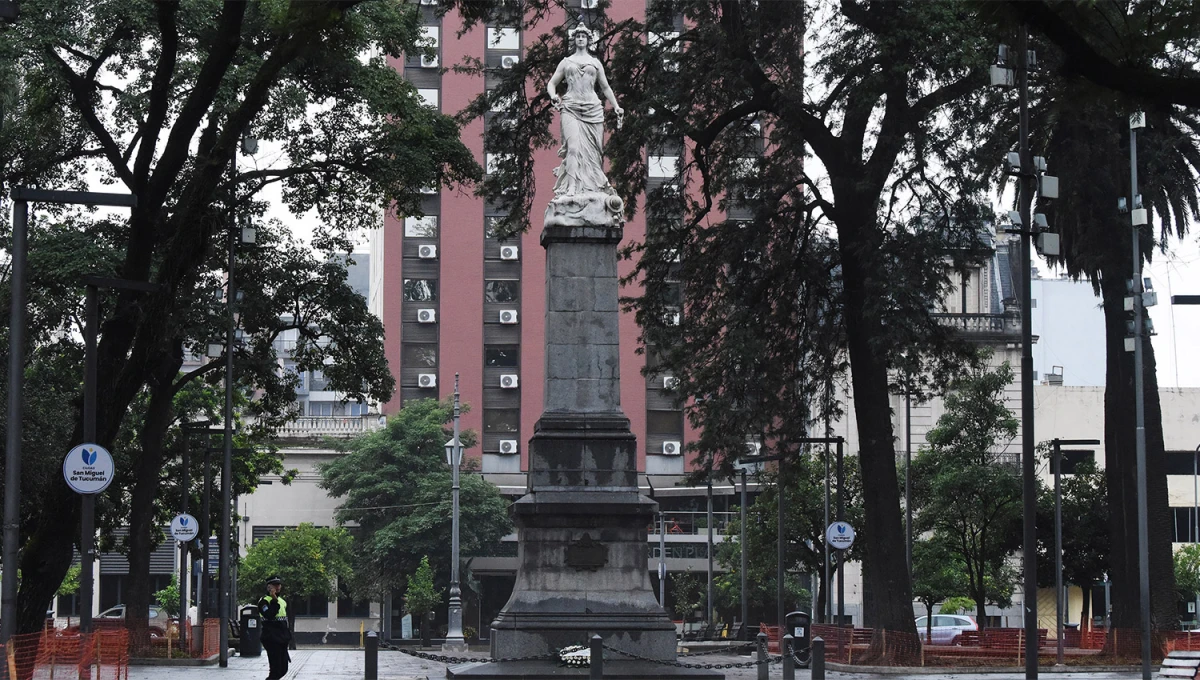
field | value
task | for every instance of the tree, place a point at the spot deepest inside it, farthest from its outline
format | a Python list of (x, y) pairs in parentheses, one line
[(311, 560), (1083, 129), (1187, 568), (937, 575), (168, 598), (1073, 28), (970, 500), (810, 275), (1085, 531), (395, 484), (153, 97), (804, 506), (687, 595), (421, 597)]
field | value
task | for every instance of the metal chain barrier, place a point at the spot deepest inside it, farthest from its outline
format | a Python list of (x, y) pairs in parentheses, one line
[(443, 658), (724, 650), (680, 664)]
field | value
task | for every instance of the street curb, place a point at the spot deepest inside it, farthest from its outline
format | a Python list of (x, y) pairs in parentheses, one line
[(980, 670), (151, 661)]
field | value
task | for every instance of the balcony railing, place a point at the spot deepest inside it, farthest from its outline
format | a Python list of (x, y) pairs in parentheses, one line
[(990, 324), (680, 522), (330, 426)]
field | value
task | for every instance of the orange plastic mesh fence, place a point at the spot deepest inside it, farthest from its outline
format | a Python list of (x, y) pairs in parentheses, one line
[(993, 647), (53, 655)]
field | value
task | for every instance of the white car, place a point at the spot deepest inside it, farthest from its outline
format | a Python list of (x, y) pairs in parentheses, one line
[(947, 628)]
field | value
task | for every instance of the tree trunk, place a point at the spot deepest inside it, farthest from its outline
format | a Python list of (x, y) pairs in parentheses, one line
[(142, 525), (883, 531), (1121, 473)]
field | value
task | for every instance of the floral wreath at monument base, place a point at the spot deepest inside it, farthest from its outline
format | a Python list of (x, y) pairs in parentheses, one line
[(575, 656)]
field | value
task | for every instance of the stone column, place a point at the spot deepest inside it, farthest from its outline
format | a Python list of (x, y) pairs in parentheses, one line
[(582, 528)]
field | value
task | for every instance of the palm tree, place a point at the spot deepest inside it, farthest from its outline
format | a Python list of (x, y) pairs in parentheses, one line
[(1085, 134)]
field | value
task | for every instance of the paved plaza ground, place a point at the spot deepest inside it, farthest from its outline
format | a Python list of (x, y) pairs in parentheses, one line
[(344, 664)]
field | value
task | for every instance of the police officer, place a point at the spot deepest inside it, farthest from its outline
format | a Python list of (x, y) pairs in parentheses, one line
[(275, 633)]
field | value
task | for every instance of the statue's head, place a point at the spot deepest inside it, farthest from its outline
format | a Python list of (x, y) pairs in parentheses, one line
[(581, 35)]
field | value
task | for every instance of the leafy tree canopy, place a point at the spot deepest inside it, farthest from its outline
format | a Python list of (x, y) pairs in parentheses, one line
[(395, 485), (153, 99), (420, 597), (310, 560)]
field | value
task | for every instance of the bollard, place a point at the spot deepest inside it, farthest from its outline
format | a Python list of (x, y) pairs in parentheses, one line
[(789, 662), (596, 658), (817, 658), (371, 663), (761, 640)]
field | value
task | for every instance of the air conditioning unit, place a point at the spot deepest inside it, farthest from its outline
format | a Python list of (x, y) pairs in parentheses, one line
[(508, 446), (589, 4), (672, 448), (509, 381), (427, 380), (753, 448), (670, 382), (673, 255), (427, 252), (509, 252), (508, 316), (428, 61), (509, 61), (429, 3), (673, 319), (426, 316)]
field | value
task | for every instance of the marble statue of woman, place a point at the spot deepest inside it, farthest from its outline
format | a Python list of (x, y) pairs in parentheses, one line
[(582, 117)]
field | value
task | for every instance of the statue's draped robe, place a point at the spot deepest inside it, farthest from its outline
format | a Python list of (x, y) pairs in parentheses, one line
[(582, 119)]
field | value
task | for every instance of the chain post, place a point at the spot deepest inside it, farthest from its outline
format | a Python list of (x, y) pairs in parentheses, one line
[(761, 639), (789, 661), (817, 658), (371, 662), (596, 660)]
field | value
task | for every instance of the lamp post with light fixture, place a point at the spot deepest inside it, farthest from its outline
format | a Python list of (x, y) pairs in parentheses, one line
[(454, 630)]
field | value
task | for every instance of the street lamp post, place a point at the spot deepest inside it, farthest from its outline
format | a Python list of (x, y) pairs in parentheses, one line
[(1138, 218), (454, 632), (742, 521), (1058, 551)]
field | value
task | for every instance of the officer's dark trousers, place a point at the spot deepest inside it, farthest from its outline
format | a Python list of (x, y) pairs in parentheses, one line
[(277, 655)]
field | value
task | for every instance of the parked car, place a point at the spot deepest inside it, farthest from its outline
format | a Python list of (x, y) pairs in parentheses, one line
[(114, 617), (947, 628)]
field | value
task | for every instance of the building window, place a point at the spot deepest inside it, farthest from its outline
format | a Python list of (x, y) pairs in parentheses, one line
[(1184, 529), (501, 419), (315, 606), (503, 39), (418, 355), (1179, 462), (421, 227), (501, 356), (501, 291), (420, 290), (664, 422), (348, 608), (489, 226), (430, 96)]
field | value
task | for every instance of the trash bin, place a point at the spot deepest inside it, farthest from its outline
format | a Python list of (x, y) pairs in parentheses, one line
[(798, 626), (250, 642)]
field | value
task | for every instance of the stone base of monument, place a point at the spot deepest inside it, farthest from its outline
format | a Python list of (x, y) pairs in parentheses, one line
[(582, 558), (549, 670)]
